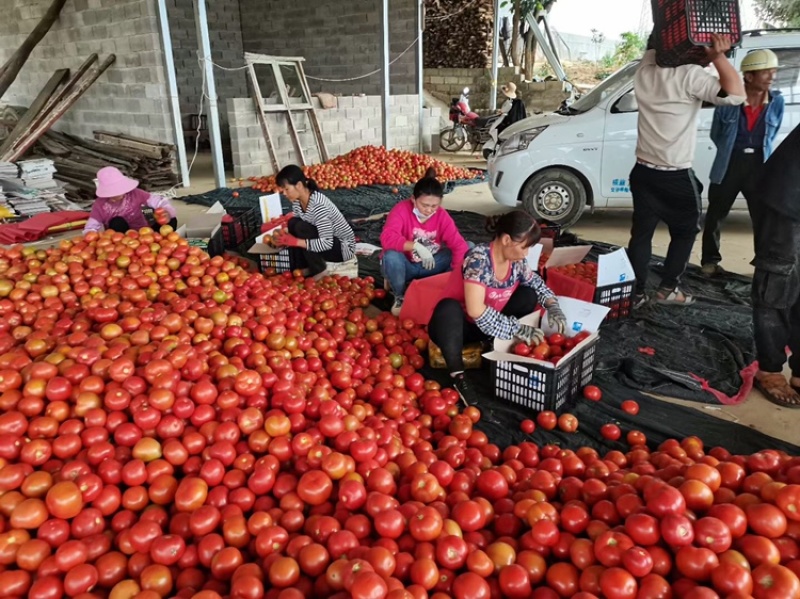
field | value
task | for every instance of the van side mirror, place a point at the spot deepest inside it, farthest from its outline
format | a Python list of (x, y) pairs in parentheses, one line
[(626, 103)]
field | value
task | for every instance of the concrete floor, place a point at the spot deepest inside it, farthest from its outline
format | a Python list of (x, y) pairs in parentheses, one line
[(611, 226)]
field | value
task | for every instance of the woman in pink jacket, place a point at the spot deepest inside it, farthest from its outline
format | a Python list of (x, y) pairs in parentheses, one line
[(119, 204), (419, 239)]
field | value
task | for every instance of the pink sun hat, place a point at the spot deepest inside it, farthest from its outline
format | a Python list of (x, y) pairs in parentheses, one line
[(112, 183)]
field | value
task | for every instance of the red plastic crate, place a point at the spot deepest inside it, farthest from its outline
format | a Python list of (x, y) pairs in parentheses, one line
[(684, 27)]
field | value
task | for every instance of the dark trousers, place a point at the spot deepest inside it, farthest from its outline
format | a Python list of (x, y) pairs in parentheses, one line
[(742, 176), (450, 329), (674, 198), (120, 225), (315, 262), (776, 292)]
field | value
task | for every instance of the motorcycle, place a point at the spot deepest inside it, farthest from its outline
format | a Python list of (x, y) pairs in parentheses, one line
[(467, 126)]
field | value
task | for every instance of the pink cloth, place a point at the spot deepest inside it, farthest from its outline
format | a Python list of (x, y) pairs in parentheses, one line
[(38, 226), (422, 296), (440, 229), (129, 208)]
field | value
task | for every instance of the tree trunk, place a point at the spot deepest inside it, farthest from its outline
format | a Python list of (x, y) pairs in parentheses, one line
[(12, 67), (530, 55), (516, 19)]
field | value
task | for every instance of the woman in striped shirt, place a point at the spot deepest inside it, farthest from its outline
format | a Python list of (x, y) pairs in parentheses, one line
[(318, 231)]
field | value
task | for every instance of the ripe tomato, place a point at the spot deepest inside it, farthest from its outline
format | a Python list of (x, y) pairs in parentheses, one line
[(547, 420), (527, 426), (568, 423), (611, 432), (618, 583), (592, 393), (772, 580)]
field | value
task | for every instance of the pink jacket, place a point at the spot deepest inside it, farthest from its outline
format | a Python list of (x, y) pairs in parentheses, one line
[(129, 208), (402, 226)]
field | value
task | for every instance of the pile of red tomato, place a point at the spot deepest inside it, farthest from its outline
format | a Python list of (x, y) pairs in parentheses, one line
[(582, 271), (374, 165), (173, 426), (553, 349)]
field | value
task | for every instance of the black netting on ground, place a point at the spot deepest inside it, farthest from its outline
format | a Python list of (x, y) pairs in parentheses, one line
[(658, 420), (360, 202), (700, 351)]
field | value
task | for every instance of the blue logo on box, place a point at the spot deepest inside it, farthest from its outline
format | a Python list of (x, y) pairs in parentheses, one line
[(622, 278), (577, 326)]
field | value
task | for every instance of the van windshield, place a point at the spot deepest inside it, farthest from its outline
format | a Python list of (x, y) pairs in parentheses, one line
[(609, 87)]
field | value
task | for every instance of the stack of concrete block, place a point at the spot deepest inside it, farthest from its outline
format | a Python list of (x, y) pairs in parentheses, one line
[(355, 122), (341, 41)]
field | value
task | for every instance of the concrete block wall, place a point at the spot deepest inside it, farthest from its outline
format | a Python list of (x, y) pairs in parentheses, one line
[(225, 32), (445, 84), (355, 122), (338, 41), (129, 97)]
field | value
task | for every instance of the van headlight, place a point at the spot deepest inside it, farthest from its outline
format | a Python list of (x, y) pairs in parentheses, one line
[(520, 141)]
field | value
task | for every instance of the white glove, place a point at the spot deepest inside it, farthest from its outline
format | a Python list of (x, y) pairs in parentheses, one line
[(425, 256), (530, 335), (556, 317)]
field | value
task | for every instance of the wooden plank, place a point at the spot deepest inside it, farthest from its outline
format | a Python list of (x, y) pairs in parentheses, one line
[(252, 58), (144, 149), (262, 118), (59, 110), (276, 70), (36, 106)]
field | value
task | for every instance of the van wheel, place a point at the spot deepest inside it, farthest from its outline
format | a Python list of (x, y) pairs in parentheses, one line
[(556, 195)]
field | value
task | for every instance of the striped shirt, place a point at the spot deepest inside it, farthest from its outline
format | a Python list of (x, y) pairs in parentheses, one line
[(330, 224)]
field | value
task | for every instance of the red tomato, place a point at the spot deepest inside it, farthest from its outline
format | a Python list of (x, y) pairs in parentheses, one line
[(772, 580), (527, 426), (547, 420), (568, 423), (631, 407), (592, 393), (611, 432)]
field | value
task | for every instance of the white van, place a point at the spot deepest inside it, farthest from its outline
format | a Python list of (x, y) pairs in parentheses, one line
[(556, 164)]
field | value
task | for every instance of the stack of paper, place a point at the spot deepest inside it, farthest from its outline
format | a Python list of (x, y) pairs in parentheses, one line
[(38, 173), (8, 170)]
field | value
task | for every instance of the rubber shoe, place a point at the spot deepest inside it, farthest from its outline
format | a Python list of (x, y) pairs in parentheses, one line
[(712, 270), (465, 390), (397, 306)]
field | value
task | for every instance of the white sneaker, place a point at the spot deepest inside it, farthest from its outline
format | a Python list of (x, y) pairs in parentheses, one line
[(397, 306)]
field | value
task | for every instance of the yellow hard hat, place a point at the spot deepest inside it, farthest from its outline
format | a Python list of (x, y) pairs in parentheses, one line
[(759, 60)]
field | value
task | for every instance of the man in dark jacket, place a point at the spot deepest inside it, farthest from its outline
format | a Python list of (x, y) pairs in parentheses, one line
[(776, 281), (745, 136)]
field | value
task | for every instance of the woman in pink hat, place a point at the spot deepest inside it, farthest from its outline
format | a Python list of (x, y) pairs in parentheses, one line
[(119, 204)]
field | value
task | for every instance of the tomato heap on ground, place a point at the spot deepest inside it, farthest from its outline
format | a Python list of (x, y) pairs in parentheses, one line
[(173, 426), (374, 165)]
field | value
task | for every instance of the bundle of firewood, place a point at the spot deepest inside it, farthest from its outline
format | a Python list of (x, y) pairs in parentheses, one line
[(77, 160), (458, 33)]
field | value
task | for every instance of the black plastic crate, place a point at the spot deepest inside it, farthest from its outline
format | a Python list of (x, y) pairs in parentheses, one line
[(618, 297), (684, 27), (281, 261), (539, 388), (246, 225)]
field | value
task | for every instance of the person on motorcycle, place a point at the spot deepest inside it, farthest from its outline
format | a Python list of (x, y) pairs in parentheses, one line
[(512, 110), (419, 239)]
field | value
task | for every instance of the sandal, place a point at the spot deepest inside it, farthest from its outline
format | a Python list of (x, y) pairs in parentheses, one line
[(673, 297), (777, 390), (713, 270)]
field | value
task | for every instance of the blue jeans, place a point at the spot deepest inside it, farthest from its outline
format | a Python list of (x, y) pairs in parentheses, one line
[(400, 271)]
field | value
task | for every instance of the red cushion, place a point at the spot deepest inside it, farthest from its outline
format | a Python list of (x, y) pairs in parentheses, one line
[(422, 296)]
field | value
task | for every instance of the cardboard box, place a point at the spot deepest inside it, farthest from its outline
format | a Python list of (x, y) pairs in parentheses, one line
[(615, 279), (541, 385), (205, 230)]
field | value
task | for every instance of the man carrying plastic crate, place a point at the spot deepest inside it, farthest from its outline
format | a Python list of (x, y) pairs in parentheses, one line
[(663, 184), (776, 281)]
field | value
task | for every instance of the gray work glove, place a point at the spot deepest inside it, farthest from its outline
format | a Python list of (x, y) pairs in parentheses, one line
[(556, 317), (425, 256), (530, 335)]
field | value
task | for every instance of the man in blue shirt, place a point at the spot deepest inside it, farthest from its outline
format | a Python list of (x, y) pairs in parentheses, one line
[(744, 136)]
